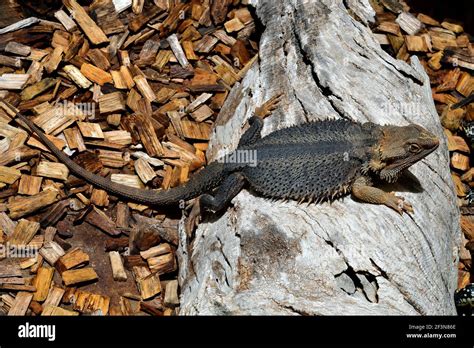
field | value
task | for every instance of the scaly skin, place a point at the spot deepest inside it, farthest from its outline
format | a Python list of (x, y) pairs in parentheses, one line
[(316, 161), (203, 181), (464, 299)]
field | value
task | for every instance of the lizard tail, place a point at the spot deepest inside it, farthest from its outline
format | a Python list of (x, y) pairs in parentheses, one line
[(200, 182)]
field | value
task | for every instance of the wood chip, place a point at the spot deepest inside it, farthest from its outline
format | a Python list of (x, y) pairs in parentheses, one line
[(118, 271), (21, 206), (161, 249), (14, 62), (233, 25), (409, 23), (74, 139), (144, 88), (100, 220), (90, 130), (416, 43), (9, 270), (435, 61), (90, 28), (24, 232), (74, 258), (95, 74), (52, 170), (461, 188), (118, 137), (465, 85), (162, 264), (171, 294), (460, 161), (65, 20), (193, 130), (7, 226), (42, 283), (162, 58), (77, 276), (17, 48), (111, 102), (21, 303), (34, 142), (118, 79), (144, 170), (29, 185), (453, 27), (90, 303), (123, 215), (127, 180), (9, 175), (13, 81), (224, 37), (50, 310), (100, 198), (202, 113), (20, 24), (178, 50), (441, 39), (54, 297), (148, 283), (206, 44), (427, 20), (53, 60), (113, 159), (76, 76), (189, 50), (53, 120), (51, 252)]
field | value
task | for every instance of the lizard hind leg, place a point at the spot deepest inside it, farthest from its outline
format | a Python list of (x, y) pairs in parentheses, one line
[(364, 191), (229, 188)]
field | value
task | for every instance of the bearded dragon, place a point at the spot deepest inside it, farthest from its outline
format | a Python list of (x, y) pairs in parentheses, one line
[(317, 161)]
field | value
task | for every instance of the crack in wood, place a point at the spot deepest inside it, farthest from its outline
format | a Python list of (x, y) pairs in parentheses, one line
[(325, 90)]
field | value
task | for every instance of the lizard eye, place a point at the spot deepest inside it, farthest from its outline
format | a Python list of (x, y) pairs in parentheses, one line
[(414, 148)]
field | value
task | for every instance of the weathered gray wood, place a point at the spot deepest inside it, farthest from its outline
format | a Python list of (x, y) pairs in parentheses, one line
[(263, 257)]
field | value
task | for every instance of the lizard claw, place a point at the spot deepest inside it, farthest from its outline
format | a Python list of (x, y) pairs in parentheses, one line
[(398, 204), (193, 219), (267, 108)]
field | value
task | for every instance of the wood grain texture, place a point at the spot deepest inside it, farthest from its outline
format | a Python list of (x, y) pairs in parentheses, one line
[(263, 257)]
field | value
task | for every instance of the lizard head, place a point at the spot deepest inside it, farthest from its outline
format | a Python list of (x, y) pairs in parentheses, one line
[(401, 147)]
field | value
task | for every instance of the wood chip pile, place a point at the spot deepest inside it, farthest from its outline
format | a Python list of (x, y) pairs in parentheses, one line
[(129, 90), (447, 54)]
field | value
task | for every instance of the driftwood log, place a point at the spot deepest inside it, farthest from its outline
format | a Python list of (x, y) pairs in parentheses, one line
[(264, 257)]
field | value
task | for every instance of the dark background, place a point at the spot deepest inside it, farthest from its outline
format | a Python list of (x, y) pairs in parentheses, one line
[(458, 10)]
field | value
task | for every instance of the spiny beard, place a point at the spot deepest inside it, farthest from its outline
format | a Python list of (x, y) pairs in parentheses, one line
[(390, 175)]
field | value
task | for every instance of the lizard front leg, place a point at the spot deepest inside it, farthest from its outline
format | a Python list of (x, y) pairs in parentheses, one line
[(363, 190), (252, 134), (267, 108)]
